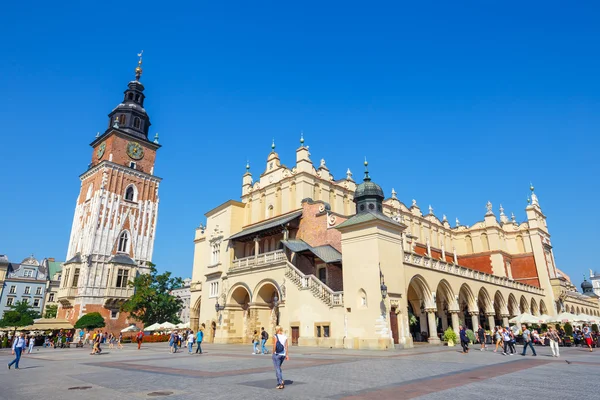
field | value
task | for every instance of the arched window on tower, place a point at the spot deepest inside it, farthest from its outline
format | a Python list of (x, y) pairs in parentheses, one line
[(136, 123), (130, 96), (131, 193), (123, 242), (137, 98), (122, 119), (88, 195)]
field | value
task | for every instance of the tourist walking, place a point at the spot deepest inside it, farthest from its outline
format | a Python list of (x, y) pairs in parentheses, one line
[(31, 344), (17, 349), (554, 341), (190, 342), (527, 341), (120, 341), (506, 338), (199, 338), (498, 337), (464, 339), (587, 336), (481, 337), (173, 341), (139, 338), (264, 336), (280, 353), (255, 342)]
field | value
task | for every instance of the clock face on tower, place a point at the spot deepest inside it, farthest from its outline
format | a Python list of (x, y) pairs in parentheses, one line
[(135, 151), (100, 150)]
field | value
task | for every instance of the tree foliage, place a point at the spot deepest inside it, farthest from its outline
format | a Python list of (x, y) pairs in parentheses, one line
[(20, 314), (51, 311), (153, 301), (90, 321)]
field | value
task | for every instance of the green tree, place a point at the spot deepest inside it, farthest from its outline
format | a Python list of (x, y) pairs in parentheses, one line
[(90, 321), (51, 311), (152, 301), (20, 314)]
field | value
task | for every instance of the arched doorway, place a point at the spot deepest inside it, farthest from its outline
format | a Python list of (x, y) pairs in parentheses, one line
[(237, 311), (500, 308), (468, 307), (421, 311), (445, 303), (543, 309), (484, 304), (265, 309), (534, 307), (513, 306), (524, 305)]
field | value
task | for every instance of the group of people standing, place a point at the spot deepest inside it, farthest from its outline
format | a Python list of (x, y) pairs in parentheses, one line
[(178, 339)]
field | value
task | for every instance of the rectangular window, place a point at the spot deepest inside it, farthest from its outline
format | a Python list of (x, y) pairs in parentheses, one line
[(36, 302), (214, 289), (122, 278), (132, 165), (38, 291), (66, 281), (28, 273), (51, 297), (26, 301), (27, 290), (322, 329), (13, 290), (114, 314), (9, 301), (75, 278)]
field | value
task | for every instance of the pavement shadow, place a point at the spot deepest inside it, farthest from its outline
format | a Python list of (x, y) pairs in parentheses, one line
[(30, 367)]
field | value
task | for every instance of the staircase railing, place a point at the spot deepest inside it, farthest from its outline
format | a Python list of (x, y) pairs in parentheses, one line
[(310, 282)]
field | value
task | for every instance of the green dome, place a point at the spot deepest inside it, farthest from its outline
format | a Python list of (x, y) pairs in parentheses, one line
[(368, 189)]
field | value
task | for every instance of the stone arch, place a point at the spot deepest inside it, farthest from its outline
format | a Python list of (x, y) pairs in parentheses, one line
[(572, 310), (485, 243), (484, 303), (239, 294), (524, 305), (195, 314), (469, 243), (446, 302), (265, 290), (534, 307), (513, 306), (543, 309), (577, 311), (468, 305), (500, 306), (421, 289), (420, 300)]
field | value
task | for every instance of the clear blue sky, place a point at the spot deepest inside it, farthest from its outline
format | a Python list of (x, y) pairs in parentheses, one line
[(453, 104)]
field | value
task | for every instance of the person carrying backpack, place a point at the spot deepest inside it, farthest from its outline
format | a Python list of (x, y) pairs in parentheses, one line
[(280, 353), (264, 336)]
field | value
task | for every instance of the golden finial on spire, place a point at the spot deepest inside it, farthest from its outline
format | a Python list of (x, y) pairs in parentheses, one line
[(138, 69)]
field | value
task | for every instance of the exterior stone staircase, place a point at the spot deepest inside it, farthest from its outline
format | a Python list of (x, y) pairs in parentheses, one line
[(316, 287)]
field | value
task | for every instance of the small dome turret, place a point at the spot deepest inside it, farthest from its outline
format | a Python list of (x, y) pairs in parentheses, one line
[(368, 195), (587, 287)]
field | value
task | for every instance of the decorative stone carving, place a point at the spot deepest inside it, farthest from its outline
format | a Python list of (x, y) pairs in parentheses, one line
[(488, 206)]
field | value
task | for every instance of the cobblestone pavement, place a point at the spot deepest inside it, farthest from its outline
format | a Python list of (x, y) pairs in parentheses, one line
[(232, 372)]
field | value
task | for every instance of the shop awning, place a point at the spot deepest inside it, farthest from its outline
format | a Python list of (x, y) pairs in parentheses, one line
[(48, 324), (265, 227)]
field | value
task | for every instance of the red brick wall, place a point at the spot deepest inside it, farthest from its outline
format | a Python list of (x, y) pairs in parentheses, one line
[(313, 227), (480, 262), (435, 253), (334, 277), (112, 325), (524, 269)]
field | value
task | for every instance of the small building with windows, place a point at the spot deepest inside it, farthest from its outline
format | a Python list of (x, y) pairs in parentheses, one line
[(54, 277), (185, 295), (24, 281)]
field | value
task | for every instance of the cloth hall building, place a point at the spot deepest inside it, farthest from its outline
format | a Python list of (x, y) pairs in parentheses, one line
[(338, 265)]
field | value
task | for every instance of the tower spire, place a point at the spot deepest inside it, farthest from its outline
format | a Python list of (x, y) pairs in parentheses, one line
[(138, 69), (367, 178)]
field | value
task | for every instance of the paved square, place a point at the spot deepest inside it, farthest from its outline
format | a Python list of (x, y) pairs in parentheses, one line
[(232, 372)]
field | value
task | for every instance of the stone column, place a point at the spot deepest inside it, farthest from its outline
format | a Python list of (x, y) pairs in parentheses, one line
[(433, 337), (454, 315), (475, 320), (256, 246), (491, 320), (504, 320)]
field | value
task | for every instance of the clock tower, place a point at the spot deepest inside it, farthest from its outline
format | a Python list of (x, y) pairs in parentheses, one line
[(112, 237)]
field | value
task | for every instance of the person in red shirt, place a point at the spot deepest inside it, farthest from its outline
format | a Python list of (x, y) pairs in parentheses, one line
[(140, 338)]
